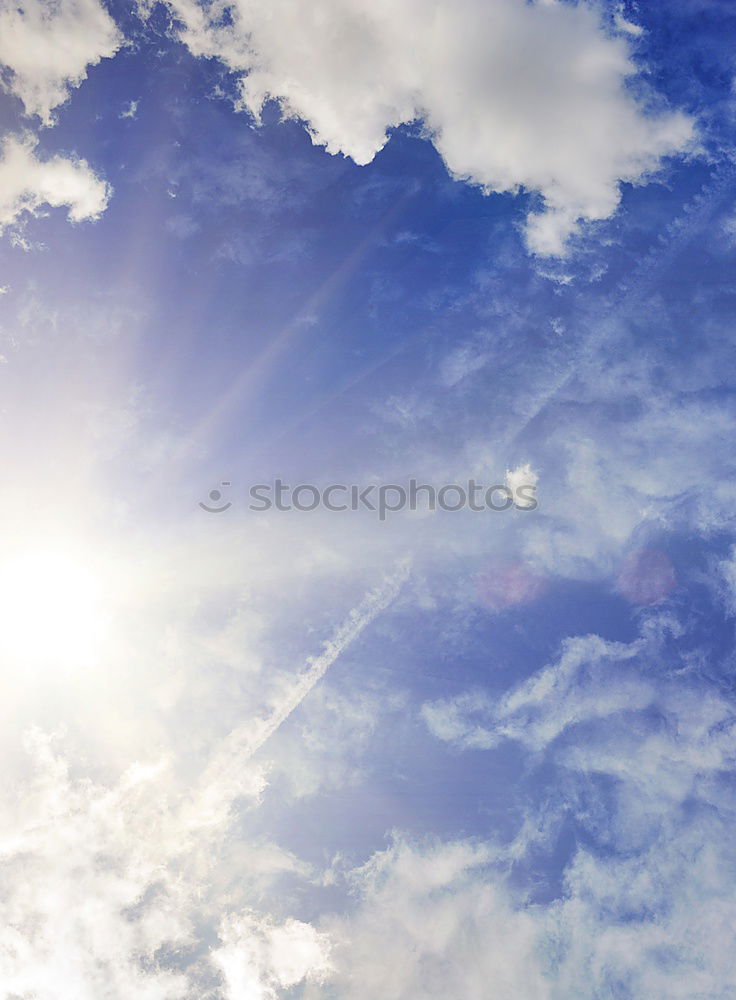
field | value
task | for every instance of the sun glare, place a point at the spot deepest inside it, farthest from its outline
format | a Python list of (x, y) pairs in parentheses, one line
[(52, 609)]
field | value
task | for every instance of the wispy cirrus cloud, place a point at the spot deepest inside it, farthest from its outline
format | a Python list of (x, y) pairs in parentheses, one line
[(640, 763)]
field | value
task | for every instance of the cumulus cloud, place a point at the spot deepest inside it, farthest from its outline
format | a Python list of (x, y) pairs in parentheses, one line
[(513, 95), (46, 48), (27, 183)]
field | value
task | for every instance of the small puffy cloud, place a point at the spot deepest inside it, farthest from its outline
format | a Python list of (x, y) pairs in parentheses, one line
[(27, 183), (47, 47), (627, 26), (521, 475), (515, 96), (130, 111)]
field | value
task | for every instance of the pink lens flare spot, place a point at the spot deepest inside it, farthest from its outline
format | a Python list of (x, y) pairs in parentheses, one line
[(647, 576), (510, 584)]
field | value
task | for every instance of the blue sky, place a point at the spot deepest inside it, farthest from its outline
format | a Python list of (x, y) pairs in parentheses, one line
[(261, 755)]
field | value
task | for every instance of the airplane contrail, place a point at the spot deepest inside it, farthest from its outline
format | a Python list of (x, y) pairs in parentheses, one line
[(224, 774)]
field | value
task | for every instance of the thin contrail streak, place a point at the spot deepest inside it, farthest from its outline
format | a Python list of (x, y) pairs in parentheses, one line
[(225, 772)]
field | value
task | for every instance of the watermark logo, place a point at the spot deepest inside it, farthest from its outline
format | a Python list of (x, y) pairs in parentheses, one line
[(215, 496), (383, 499)]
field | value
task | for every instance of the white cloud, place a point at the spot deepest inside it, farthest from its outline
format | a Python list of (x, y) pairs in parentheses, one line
[(105, 882), (130, 111), (441, 919), (259, 959), (47, 46), (647, 901), (623, 23), (103, 886), (327, 749), (460, 363), (224, 773), (540, 709), (514, 95), (431, 924), (139, 861), (78, 861), (28, 183), (521, 475)]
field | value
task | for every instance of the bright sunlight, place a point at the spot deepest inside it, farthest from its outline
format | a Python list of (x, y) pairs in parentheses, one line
[(53, 610)]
